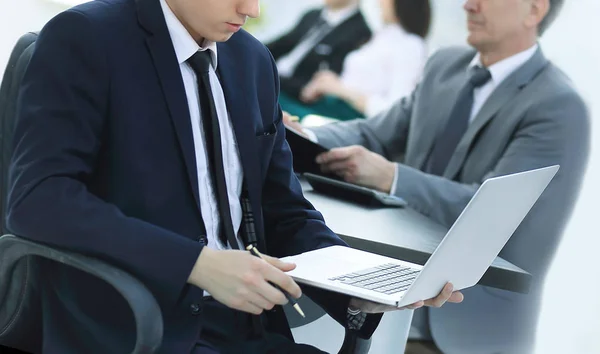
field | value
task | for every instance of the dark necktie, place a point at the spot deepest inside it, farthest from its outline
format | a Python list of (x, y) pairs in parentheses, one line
[(200, 63), (318, 29), (458, 122)]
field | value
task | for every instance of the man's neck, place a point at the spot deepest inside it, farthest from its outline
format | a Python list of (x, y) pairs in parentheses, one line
[(342, 7), (490, 56), (197, 37)]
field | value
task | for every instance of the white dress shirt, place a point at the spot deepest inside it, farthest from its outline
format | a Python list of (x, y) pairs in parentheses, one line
[(387, 68), (185, 46), (499, 71), (286, 65)]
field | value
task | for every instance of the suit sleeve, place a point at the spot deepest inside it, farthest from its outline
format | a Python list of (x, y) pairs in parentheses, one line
[(385, 134), (555, 131), (62, 112), (293, 226)]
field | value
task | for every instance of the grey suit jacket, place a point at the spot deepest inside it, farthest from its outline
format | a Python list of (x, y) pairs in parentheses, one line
[(535, 118)]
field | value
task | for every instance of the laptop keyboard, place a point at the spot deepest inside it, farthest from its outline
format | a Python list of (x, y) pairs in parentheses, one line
[(387, 278)]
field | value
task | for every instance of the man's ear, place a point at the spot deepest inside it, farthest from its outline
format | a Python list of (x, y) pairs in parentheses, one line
[(539, 10)]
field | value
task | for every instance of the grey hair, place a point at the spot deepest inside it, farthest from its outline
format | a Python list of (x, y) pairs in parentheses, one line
[(553, 11)]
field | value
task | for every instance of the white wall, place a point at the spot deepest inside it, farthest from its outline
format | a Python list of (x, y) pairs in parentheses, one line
[(570, 320), (18, 17)]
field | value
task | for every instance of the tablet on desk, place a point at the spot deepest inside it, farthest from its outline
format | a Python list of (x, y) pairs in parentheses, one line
[(352, 192), (304, 151)]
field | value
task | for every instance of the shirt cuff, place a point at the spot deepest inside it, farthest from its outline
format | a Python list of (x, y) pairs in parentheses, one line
[(311, 135), (356, 319), (395, 183)]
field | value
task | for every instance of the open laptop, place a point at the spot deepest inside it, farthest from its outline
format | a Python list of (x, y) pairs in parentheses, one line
[(468, 249)]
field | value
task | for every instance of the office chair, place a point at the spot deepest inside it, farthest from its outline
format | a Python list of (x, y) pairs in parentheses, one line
[(20, 307)]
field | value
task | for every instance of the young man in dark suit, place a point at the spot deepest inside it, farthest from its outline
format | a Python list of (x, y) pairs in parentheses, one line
[(136, 138), (321, 40)]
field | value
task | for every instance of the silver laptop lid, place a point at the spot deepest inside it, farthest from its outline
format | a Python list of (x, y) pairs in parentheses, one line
[(481, 231)]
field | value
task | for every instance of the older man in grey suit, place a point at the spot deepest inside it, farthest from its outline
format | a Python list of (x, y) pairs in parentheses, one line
[(498, 109)]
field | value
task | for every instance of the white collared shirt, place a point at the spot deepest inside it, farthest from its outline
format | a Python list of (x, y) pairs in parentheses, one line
[(185, 46), (387, 68), (287, 64), (336, 17), (500, 71)]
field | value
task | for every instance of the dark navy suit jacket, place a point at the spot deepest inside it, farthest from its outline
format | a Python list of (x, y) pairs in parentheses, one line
[(104, 165)]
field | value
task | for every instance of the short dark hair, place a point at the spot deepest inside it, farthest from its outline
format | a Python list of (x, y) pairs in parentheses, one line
[(553, 11), (414, 16)]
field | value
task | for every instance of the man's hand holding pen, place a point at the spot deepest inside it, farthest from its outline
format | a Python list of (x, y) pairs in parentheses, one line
[(240, 280), (254, 251)]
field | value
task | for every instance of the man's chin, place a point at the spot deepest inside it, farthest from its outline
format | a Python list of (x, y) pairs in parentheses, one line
[(221, 37), (474, 41)]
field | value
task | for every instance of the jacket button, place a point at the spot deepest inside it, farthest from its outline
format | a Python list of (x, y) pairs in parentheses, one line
[(195, 309)]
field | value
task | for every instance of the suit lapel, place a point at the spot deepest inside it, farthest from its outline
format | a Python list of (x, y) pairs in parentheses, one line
[(436, 118), (341, 30), (167, 69), (440, 97), (501, 96), (232, 79)]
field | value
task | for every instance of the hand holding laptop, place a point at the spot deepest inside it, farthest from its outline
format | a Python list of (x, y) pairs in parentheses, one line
[(447, 295)]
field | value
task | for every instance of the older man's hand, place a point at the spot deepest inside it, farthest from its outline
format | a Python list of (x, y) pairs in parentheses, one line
[(355, 164)]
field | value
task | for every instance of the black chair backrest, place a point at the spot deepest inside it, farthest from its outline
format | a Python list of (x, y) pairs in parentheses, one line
[(9, 90), (18, 295)]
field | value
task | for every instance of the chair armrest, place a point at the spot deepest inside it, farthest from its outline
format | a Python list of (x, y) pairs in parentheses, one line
[(147, 313), (353, 344)]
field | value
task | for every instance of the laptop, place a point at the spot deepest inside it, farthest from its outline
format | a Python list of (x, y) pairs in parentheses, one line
[(468, 249)]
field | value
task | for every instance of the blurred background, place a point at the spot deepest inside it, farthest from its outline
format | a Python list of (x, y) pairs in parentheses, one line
[(570, 318)]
